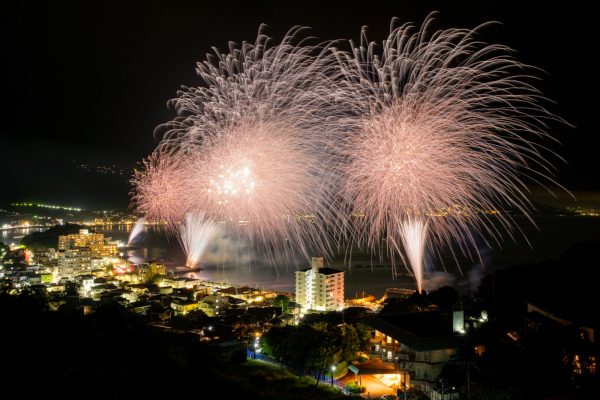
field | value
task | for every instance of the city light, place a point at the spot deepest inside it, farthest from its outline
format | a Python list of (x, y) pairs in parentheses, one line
[(49, 206)]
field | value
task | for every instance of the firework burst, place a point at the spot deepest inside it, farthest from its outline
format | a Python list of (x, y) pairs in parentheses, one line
[(445, 128), (259, 180), (254, 140), (159, 190)]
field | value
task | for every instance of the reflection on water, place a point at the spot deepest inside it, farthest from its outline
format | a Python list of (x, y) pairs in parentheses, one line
[(157, 246), (555, 235), (15, 235)]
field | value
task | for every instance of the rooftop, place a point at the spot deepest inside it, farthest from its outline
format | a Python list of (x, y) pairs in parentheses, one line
[(420, 331), (324, 271)]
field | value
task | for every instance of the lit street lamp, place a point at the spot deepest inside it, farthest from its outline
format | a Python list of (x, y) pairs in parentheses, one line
[(332, 371), (255, 348), (256, 344)]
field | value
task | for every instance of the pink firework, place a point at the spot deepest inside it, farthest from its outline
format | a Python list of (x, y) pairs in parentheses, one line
[(445, 129), (260, 179), (256, 143), (159, 190)]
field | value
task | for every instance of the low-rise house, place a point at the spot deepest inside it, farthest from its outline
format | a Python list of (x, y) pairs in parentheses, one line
[(160, 312), (212, 305), (138, 288), (97, 290), (179, 283), (165, 289), (139, 308), (182, 307), (293, 313), (86, 284), (56, 288), (419, 343)]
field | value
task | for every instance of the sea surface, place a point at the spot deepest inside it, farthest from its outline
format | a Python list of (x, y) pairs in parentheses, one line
[(364, 274)]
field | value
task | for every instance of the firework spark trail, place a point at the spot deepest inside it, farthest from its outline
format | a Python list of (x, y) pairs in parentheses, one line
[(421, 135), (258, 177), (445, 127), (413, 231), (137, 229), (254, 141), (196, 232), (159, 190)]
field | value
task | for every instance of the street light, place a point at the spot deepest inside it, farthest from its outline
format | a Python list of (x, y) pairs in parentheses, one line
[(332, 371), (256, 349)]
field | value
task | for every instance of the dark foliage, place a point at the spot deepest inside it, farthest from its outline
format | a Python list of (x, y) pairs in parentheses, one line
[(49, 237), (113, 355)]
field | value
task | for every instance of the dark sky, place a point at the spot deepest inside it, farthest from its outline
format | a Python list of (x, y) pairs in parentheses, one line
[(90, 82)]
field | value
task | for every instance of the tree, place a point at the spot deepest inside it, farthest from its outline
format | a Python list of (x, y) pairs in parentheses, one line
[(350, 344), (281, 301), (49, 238), (327, 350), (274, 343), (364, 336), (313, 348), (332, 318), (444, 297)]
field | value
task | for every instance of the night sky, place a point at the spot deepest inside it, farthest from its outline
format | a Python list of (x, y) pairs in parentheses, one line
[(89, 83)]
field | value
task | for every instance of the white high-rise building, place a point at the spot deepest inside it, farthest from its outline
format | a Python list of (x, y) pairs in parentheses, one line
[(320, 288), (74, 261)]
